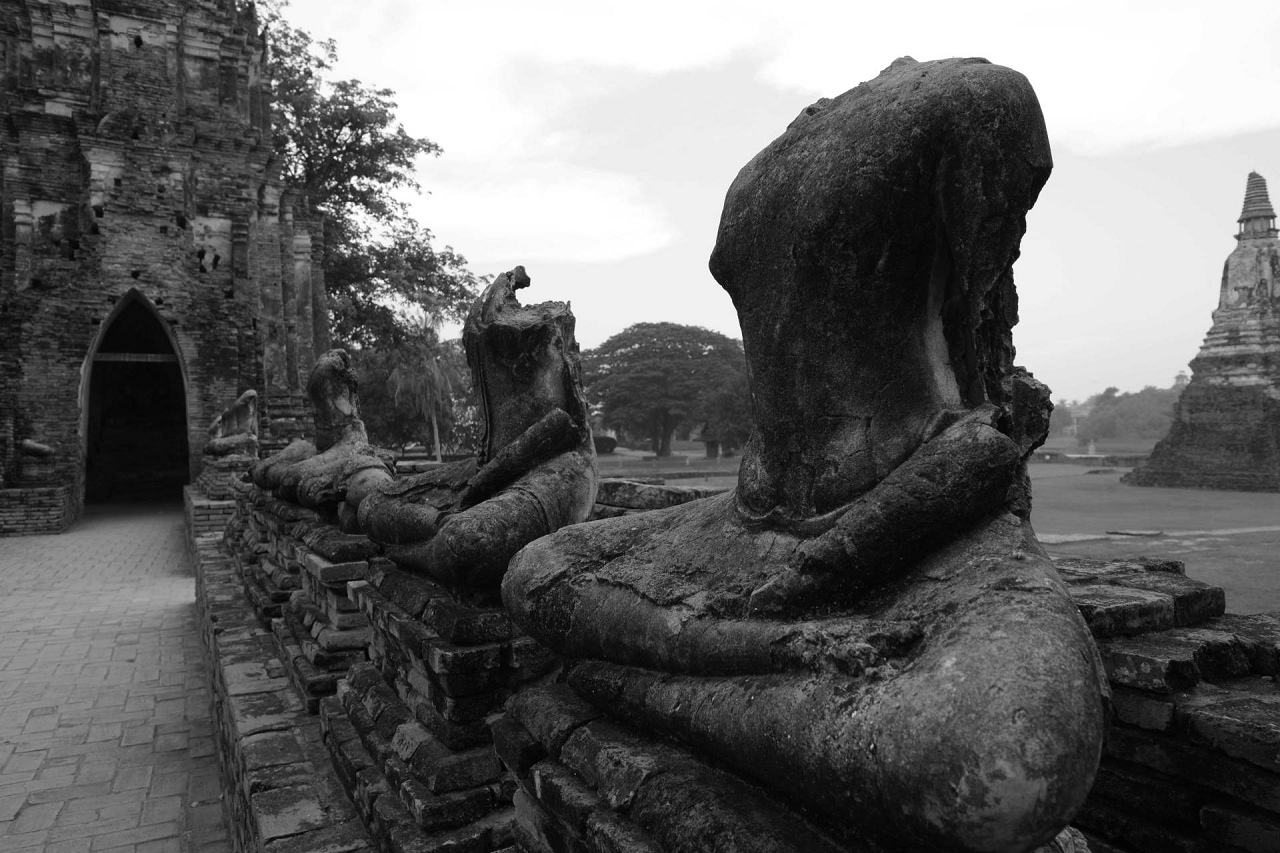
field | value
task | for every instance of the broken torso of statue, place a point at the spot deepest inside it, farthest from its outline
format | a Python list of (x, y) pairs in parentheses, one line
[(461, 523)]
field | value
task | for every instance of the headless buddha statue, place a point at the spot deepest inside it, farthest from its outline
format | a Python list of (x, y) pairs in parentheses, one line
[(235, 431), (867, 625), (461, 523), (334, 474)]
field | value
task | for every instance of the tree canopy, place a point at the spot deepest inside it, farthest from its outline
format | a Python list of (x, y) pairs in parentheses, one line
[(651, 378), (1146, 414), (343, 149), (345, 152), (427, 400)]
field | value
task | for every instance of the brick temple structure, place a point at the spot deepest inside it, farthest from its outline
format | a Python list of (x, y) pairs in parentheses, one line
[(152, 267), (1226, 425)]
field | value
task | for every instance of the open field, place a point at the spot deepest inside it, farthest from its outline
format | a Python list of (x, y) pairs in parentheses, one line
[(1105, 446), (634, 463), (1231, 539)]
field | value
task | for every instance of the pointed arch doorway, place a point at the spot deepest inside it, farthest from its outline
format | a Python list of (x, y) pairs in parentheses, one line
[(135, 425)]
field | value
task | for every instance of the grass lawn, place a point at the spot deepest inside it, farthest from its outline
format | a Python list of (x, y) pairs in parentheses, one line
[(1230, 539), (1105, 446)]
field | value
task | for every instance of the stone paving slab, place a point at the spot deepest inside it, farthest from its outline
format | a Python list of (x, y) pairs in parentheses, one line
[(105, 737)]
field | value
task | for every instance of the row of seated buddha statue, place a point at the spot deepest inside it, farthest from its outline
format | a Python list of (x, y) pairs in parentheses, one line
[(867, 624)]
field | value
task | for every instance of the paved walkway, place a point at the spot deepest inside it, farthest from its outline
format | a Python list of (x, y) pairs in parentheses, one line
[(105, 739)]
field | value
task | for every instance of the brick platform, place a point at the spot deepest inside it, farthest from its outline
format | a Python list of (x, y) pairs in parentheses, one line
[(1189, 765), (1191, 761), (278, 784), (33, 511), (206, 516), (407, 734)]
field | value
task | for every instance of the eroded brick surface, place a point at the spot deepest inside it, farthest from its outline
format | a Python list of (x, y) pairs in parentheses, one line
[(1191, 759), (105, 739), (139, 176)]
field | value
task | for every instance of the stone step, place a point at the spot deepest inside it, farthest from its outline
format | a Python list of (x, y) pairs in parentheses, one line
[(1129, 597), (1177, 659), (1175, 757)]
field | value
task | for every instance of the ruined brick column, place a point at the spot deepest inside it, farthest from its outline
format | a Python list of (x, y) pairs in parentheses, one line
[(1226, 426)]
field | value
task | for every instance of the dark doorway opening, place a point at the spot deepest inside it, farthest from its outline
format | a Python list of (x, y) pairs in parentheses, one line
[(137, 418)]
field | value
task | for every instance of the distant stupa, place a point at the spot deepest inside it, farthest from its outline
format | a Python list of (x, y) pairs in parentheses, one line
[(1226, 424)]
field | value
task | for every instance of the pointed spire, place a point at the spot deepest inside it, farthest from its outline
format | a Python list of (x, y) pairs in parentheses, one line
[(1256, 201)]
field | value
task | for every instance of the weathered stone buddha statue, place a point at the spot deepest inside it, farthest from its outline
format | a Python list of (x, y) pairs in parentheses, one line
[(461, 523), (867, 626), (234, 432), (341, 468)]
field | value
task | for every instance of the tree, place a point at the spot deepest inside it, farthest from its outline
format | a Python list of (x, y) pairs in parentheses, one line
[(1146, 414), (428, 388), (1060, 420), (343, 150), (420, 392), (727, 413), (651, 377)]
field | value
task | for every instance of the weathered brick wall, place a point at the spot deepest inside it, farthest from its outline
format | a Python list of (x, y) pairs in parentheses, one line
[(1223, 437), (206, 516), (1191, 760), (137, 165), (25, 512), (295, 568), (279, 790), (404, 677)]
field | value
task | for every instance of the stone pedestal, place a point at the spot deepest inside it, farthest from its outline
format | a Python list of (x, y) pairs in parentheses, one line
[(405, 678), (217, 473), (294, 568), (410, 731)]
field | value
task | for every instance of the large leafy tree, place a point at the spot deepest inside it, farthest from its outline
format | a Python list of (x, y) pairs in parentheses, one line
[(1146, 414), (344, 150), (726, 413), (651, 378), (428, 388), (422, 394), (1061, 417)]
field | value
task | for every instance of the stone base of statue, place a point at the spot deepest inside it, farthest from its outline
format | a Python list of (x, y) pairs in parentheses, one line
[(217, 473)]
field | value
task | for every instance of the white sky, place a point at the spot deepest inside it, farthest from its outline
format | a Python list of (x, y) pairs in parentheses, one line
[(593, 142)]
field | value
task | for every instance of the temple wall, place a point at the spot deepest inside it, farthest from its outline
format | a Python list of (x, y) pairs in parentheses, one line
[(36, 510), (137, 157), (1251, 274), (1223, 436)]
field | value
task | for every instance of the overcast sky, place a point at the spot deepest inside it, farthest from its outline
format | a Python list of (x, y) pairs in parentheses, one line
[(593, 142)]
